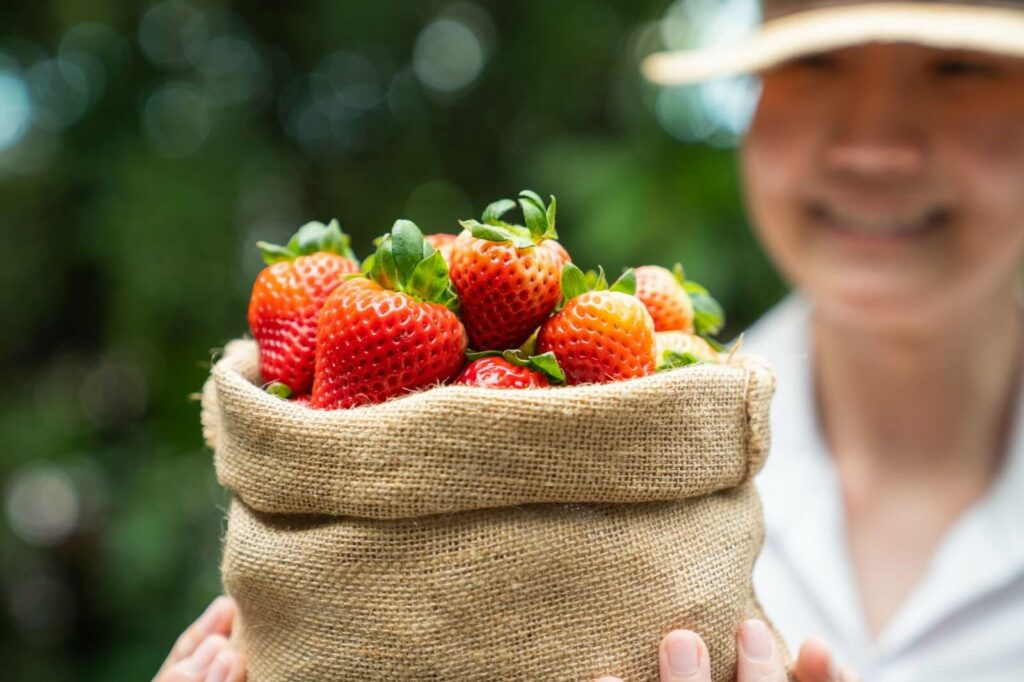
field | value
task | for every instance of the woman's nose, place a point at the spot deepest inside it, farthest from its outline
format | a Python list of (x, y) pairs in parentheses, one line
[(878, 131)]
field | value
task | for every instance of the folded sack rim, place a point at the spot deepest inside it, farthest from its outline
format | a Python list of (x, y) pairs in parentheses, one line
[(601, 443)]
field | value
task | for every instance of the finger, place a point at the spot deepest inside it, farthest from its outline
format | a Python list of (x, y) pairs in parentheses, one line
[(847, 675), (608, 679), (195, 667), (814, 663), (759, 659), (228, 666), (216, 619), (683, 657)]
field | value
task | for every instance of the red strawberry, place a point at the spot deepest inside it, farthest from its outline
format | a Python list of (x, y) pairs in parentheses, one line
[(507, 276), (600, 336), (287, 298), (666, 300), (511, 369), (392, 333), (499, 373), (441, 242)]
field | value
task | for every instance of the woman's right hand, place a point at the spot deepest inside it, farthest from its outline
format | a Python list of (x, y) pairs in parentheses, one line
[(683, 657)]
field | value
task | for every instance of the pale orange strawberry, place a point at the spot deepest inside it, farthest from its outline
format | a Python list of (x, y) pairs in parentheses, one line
[(507, 276), (287, 297), (666, 300), (679, 344), (599, 336)]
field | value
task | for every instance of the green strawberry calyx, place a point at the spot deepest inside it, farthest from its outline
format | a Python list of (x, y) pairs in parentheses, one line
[(673, 359), (708, 316), (540, 221), (278, 390), (313, 237), (575, 282), (545, 363), (406, 262)]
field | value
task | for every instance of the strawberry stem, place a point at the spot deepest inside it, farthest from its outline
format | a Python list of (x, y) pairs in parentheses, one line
[(405, 262), (279, 390), (313, 237), (540, 221), (626, 283)]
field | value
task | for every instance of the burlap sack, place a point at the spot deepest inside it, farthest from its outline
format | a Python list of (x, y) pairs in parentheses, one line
[(471, 534)]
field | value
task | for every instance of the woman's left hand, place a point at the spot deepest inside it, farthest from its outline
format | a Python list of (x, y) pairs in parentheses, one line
[(203, 653), (683, 657)]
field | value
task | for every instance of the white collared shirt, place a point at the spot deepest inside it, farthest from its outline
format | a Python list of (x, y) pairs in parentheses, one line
[(963, 621)]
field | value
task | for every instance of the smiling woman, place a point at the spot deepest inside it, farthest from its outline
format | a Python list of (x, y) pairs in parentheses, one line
[(883, 171)]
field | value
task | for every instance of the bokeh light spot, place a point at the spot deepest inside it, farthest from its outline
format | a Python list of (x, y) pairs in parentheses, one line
[(43, 506), (15, 109), (719, 111), (113, 393), (232, 69), (169, 31), (448, 56), (60, 91), (437, 205), (176, 119)]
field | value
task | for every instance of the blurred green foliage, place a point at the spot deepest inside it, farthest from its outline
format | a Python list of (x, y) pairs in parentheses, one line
[(129, 219)]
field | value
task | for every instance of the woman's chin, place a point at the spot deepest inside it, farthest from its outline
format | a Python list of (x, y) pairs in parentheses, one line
[(889, 307)]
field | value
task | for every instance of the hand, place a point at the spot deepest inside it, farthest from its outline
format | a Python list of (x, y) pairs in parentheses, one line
[(683, 657), (202, 653)]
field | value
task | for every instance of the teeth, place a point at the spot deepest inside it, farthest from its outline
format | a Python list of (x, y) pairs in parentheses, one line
[(875, 222)]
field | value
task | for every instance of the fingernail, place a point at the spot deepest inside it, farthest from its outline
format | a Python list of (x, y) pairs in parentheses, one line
[(220, 668), (683, 653), (756, 640)]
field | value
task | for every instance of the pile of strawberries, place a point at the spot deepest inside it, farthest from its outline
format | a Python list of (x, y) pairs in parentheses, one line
[(500, 305)]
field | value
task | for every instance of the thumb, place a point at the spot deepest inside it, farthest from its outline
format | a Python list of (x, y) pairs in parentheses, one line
[(683, 657), (758, 656)]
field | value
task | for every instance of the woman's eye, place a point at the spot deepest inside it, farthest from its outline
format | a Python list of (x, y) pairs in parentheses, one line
[(819, 61), (963, 67)]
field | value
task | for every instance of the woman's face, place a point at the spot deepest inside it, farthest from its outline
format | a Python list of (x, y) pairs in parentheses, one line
[(887, 181)]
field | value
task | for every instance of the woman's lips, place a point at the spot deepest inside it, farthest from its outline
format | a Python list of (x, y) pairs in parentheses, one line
[(861, 220)]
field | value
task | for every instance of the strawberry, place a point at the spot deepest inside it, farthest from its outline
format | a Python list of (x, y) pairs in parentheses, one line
[(599, 335), (677, 349), (666, 300), (507, 276), (441, 242), (392, 332), (510, 369), (287, 298)]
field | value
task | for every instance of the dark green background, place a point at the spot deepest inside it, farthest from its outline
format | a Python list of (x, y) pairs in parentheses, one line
[(123, 267)]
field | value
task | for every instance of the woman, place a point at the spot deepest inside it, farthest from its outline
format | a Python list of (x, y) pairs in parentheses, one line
[(886, 181)]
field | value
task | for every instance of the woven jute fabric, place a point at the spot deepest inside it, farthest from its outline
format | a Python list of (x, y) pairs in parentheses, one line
[(473, 534)]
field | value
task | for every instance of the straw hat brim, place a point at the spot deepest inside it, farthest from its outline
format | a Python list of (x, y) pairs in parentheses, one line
[(941, 25)]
